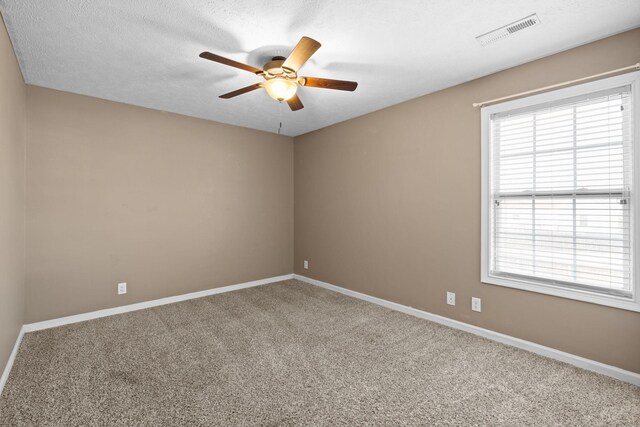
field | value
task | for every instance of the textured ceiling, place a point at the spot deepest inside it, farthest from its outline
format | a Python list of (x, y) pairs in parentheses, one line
[(145, 52)]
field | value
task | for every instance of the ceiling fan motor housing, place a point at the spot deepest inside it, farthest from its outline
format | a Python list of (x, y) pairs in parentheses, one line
[(274, 69)]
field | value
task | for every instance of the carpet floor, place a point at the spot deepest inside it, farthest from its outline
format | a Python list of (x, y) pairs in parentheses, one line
[(294, 354)]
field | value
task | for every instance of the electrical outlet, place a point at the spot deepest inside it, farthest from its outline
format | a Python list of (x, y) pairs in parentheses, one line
[(122, 288), (306, 264), (451, 298), (476, 304)]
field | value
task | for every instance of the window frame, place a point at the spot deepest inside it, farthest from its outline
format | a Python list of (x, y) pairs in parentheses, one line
[(625, 303)]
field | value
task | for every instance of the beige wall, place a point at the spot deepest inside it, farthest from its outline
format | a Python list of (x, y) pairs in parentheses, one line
[(388, 204), (167, 203), (12, 147)]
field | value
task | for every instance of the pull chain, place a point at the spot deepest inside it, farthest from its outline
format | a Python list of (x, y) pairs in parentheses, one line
[(280, 114)]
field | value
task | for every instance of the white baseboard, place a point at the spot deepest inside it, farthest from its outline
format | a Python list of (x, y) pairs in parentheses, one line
[(147, 304), (581, 362), (12, 358)]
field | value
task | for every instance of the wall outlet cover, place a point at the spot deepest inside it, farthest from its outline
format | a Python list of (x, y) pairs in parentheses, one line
[(306, 264), (476, 304), (122, 288), (451, 298)]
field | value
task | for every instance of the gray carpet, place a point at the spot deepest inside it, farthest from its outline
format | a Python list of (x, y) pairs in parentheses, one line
[(294, 354)]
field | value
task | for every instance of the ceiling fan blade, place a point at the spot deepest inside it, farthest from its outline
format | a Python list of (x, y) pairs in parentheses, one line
[(301, 53), (328, 83), (226, 61), (294, 103), (241, 91)]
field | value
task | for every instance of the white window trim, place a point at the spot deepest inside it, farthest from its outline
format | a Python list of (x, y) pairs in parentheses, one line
[(577, 294)]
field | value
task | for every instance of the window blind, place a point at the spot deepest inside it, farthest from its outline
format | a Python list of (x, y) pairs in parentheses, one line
[(561, 193)]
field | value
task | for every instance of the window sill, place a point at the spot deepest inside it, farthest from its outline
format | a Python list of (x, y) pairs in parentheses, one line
[(575, 294)]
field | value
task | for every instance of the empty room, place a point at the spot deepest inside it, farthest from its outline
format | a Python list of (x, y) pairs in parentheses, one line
[(319, 213)]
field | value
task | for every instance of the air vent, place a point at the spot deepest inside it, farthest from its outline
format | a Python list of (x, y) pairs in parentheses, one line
[(507, 30)]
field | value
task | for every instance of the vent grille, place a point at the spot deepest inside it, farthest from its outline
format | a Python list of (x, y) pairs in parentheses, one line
[(507, 30)]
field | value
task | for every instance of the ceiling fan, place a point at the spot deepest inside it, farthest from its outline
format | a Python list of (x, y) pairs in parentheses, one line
[(281, 75)]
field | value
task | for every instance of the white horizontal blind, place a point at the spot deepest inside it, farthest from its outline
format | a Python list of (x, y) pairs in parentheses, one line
[(561, 178)]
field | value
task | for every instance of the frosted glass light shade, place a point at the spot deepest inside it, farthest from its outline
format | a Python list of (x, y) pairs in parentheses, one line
[(281, 89)]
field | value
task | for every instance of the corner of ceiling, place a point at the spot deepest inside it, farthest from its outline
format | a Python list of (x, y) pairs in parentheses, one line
[(10, 30)]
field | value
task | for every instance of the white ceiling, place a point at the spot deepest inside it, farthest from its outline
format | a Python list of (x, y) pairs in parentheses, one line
[(145, 52)]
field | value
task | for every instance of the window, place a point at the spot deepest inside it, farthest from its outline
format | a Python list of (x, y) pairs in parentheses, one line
[(559, 182)]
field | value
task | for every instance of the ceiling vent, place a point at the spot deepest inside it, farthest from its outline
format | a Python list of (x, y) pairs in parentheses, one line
[(507, 30)]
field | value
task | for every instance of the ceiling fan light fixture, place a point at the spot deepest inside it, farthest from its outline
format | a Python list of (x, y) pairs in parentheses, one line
[(281, 89), (281, 75)]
